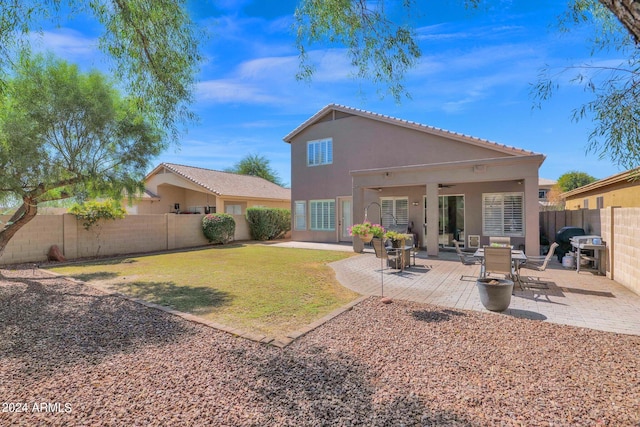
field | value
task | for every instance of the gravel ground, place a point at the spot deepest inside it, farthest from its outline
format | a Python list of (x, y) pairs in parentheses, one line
[(96, 359)]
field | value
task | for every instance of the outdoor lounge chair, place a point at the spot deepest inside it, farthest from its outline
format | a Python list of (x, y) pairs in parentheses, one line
[(464, 258), (539, 263)]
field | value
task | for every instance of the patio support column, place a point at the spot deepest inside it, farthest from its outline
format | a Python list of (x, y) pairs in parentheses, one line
[(432, 219), (532, 216), (357, 201)]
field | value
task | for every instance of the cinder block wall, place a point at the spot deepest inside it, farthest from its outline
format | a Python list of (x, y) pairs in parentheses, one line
[(33, 241), (626, 247), (619, 228), (133, 234)]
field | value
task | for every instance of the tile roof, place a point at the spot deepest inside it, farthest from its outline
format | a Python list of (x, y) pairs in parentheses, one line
[(228, 183), (630, 175), (410, 124)]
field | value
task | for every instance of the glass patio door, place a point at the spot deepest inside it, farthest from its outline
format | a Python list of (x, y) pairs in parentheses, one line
[(346, 219), (450, 219)]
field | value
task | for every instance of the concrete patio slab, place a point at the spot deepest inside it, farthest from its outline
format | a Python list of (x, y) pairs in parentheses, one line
[(567, 297)]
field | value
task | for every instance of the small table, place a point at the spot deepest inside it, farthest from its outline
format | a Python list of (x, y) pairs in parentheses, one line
[(404, 256), (517, 258), (581, 243)]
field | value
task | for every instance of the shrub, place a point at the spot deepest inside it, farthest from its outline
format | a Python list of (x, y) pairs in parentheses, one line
[(219, 227), (91, 212), (268, 223)]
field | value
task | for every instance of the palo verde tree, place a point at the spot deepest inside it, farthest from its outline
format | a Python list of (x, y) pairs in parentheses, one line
[(64, 133), (381, 42), (153, 46)]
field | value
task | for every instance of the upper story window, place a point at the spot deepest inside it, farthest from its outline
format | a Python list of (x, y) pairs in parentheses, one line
[(320, 152)]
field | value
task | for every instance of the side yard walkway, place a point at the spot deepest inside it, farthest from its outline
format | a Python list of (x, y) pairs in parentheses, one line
[(570, 298)]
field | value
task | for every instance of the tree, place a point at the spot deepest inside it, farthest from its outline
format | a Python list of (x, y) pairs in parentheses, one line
[(65, 133), (574, 179), (153, 45), (384, 51), (256, 165)]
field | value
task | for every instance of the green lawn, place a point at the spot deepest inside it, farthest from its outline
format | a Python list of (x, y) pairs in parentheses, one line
[(256, 288)]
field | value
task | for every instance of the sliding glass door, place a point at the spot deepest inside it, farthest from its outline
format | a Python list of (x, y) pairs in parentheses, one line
[(450, 219)]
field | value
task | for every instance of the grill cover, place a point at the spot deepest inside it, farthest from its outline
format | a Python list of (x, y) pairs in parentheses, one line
[(563, 238)]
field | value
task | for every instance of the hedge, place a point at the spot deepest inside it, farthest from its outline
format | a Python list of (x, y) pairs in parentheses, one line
[(268, 223), (219, 227)]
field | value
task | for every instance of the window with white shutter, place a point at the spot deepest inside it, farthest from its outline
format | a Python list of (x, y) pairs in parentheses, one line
[(320, 152), (323, 215), (395, 211), (503, 214), (300, 215)]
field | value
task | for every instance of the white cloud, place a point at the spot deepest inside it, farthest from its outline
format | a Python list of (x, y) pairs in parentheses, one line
[(233, 91), (66, 43)]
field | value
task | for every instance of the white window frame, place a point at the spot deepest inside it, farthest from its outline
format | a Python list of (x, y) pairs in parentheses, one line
[(320, 152), (300, 215), (233, 209), (504, 211), (393, 206), (322, 215)]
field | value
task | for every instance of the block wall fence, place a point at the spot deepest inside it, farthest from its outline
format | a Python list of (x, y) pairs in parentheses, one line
[(132, 234), (618, 227)]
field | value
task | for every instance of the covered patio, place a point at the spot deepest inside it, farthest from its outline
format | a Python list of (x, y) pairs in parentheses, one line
[(570, 298), (577, 299)]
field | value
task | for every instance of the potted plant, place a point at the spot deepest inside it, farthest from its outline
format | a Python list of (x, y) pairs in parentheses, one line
[(396, 238), (495, 294), (364, 233)]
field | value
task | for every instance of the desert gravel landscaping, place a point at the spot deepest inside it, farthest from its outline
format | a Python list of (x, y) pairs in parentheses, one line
[(97, 359)]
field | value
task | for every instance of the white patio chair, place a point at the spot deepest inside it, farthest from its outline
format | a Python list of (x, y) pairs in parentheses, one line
[(539, 263)]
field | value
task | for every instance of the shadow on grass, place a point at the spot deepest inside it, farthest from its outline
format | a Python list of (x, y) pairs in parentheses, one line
[(191, 299), (98, 275), (48, 324)]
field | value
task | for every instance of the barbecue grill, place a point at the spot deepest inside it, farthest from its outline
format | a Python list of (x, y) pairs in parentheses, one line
[(563, 238)]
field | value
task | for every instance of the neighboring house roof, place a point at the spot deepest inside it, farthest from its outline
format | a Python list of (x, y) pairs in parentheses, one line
[(227, 183), (148, 195), (625, 176), (407, 124), (544, 182)]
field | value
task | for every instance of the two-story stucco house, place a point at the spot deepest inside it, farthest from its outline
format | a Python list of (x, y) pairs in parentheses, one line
[(346, 161)]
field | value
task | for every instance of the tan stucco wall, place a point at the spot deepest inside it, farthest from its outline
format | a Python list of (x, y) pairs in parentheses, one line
[(623, 194), (133, 234), (360, 144)]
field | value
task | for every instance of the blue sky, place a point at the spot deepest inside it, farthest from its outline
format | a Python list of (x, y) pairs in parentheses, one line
[(475, 78)]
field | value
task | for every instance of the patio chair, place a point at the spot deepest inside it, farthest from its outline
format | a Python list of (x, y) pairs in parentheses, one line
[(539, 263), (393, 256), (500, 241), (498, 260), (464, 258)]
